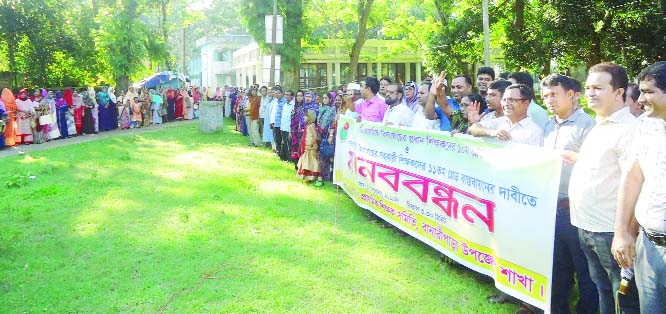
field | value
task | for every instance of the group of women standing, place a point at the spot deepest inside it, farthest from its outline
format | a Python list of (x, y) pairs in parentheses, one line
[(49, 115), (307, 127)]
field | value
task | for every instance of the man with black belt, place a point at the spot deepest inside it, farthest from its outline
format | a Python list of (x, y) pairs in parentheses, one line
[(643, 193), (595, 180), (565, 132)]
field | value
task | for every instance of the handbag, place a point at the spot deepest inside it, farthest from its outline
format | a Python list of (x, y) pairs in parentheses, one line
[(327, 149), (45, 119)]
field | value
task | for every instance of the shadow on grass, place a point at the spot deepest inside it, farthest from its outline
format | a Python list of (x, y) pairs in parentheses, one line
[(119, 224)]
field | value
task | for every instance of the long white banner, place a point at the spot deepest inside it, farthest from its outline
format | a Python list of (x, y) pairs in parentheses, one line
[(490, 206)]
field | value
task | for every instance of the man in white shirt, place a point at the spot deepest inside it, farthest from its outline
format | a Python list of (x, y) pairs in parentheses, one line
[(397, 113), (595, 180), (419, 121), (642, 192), (515, 125), (538, 114)]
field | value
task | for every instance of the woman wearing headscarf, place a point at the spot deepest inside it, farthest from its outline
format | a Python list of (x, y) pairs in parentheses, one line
[(79, 107), (411, 96), (95, 109), (88, 121), (180, 102), (325, 122), (297, 125), (146, 101), (308, 165), (51, 131), (69, 115), (11, 109), (112, 110), (188, 107), (3, 123), (219, 95), (41, 109), (61, 108), (155, 107), (103, 115), (171, 104), (25, 118)]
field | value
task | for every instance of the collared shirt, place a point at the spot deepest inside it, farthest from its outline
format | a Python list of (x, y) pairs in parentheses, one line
[(265, 104), (287, 109), (524, 132), (649, 150), (567, 135), (595, 177), (420, 122), (278, 112), (399, 115), (490, 115), (538, 114), (444, 122), (372, 110)]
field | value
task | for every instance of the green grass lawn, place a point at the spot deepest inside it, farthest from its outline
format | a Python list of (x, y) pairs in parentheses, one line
[(125, 224)]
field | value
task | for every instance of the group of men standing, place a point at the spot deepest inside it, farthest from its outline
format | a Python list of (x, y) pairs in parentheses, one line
[(611, 209)]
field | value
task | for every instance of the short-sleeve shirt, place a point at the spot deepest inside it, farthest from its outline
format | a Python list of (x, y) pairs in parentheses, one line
[(538, 114), (524, 132), (595, 178), (444, 122), (649, 150), (399, 115), (372, 110), (567, 135)]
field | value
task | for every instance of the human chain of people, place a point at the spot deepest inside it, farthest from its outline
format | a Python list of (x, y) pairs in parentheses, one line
[(610, 212)]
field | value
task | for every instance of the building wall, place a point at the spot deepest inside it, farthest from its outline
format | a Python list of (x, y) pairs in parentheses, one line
[(212, 61), (328, 67)]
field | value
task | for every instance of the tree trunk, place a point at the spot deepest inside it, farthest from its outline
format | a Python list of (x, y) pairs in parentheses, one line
[(163, 5), (290, 51), (519, 20), (663, 7), (122, 82), (595, 51), (364, 8)]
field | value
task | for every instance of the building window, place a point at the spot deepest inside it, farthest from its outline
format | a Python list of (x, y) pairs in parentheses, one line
[(313, 76), (412, 71)]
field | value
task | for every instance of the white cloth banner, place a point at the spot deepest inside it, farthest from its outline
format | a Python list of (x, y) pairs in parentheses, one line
[(490, 206)]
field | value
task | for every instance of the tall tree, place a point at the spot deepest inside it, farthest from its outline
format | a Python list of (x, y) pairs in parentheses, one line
[(253, 13)]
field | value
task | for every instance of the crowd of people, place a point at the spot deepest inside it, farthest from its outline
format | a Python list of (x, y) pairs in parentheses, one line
[(611, 211), (51, 115)]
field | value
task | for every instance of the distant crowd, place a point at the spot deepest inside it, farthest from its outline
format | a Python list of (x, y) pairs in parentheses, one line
[(40, 115)]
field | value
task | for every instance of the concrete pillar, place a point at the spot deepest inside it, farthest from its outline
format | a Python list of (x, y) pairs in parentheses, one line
[(417, 79), (408, 72), (329, 76), (379, 71), (369, 69), (337, 74)]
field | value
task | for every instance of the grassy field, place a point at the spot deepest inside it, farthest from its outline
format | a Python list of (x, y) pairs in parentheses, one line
[(185, 222)]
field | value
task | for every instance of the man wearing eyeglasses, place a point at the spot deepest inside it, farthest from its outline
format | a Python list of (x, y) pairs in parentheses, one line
[(515, 125)]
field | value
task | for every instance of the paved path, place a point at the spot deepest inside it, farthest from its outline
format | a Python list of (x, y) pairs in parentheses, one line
[(22, 149)]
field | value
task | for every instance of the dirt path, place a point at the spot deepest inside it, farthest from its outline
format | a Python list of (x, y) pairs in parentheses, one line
[(22, 149)]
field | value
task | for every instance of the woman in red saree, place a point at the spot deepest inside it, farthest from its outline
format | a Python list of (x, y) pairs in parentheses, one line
[(180, 102)]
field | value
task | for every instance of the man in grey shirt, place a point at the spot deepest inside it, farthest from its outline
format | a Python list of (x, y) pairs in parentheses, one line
[(565, 133)]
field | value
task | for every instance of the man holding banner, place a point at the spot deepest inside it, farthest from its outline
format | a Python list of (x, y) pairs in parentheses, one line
[(565, 132)]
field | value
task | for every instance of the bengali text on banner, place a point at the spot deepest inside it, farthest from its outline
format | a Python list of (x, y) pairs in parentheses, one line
[(487, 205)]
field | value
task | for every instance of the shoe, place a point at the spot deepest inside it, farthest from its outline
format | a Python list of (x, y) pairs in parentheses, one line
[(401, 233), (526, 309)]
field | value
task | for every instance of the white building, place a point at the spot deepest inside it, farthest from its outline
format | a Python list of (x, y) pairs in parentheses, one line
[(211, 63)]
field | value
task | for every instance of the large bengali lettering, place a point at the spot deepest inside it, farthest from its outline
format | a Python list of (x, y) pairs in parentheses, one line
[(482, 203), (444, 195)]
